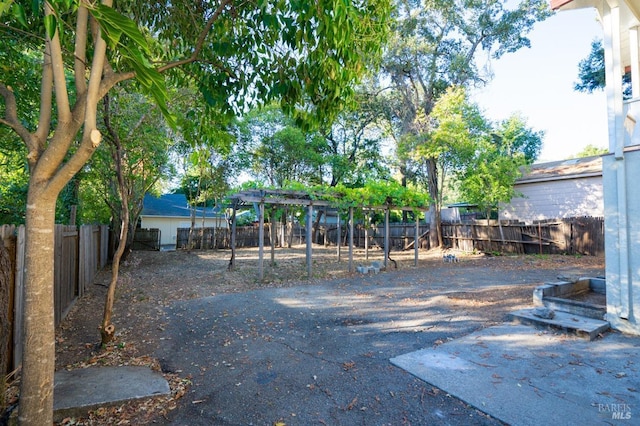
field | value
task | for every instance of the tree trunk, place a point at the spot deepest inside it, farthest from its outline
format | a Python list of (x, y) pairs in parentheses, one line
[(290, 228), (107, 329), (190, 243), (315, 225), (435, 230), (38, 359)]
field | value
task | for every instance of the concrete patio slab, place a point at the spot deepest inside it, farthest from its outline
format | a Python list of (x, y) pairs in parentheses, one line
[(523, 376), (78, 391)]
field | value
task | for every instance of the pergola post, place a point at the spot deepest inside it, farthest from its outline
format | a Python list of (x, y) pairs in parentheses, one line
[(366, 236), (386, 235), (415, 241), (309, 236), (338, 234), (261, 241), (350, 239), (232, 261), (272, 227)]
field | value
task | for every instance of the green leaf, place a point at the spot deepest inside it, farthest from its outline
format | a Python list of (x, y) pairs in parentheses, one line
[(50, 24), (5, 5), (18, 13), (112, 21)]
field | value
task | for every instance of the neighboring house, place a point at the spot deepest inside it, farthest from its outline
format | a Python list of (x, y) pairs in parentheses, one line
[(171, 211), (459, 212), (560, 189)]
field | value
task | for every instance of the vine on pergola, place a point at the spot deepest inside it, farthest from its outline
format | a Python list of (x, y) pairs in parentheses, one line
[(374, 195)]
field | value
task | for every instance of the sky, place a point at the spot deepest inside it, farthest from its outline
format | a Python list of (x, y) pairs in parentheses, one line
[(537, 82)]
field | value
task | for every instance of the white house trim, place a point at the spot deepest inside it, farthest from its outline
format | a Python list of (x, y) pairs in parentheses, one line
[(621, 168)]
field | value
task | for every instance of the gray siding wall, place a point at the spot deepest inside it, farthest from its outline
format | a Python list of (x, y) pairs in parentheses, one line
[(556, 199)]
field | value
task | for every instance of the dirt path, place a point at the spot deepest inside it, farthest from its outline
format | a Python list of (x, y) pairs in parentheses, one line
[(156, 288)]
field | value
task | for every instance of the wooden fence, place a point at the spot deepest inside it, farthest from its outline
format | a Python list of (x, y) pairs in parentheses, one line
[(583, 235), (214, 238), (78, 254), (146, 239)]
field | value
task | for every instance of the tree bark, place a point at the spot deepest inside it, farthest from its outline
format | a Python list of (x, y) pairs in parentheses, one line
[(107, 329), (435, 229), (316, 225), (38, 359)]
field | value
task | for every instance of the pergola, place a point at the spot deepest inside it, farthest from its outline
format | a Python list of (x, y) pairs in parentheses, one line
[(310, 201)]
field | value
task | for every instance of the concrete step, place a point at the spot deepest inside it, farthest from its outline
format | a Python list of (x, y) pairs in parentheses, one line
[(575, 307), (581, 326), (78, 391)]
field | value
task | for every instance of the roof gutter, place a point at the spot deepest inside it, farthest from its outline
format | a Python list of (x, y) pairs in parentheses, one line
[(556, 178)]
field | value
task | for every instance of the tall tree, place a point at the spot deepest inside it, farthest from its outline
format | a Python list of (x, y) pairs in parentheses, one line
[(276, 151), (137, 146), (591, 150), (446, 140), (130, 120), (490, 176), (304, 53), (512, 137), (591, 72), (353, 144), (435, 45)]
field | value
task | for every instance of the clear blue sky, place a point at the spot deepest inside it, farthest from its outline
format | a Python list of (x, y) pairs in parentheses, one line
[(538, 83)]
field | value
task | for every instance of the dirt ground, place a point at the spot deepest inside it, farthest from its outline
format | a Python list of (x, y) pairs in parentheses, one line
[(150, 281)]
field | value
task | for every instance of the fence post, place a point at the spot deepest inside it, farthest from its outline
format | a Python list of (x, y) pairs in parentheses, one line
[(540, 236), (19, 297)]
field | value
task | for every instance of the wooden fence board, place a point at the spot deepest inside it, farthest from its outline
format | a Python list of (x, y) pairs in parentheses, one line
[(19, 296), (66, 264), (583, 235), (7, 273), (78, 254), (146, 239), (104, 245)]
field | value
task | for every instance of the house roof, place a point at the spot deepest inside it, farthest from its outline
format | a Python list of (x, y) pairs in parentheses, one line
[(172, 205), (559, 170), (557, 4), (462, 205)]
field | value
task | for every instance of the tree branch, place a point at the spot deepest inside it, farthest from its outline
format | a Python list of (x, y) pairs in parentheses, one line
[(46, 102), (80, 52), (59, 80), (201, 39), (91, 137), (11, 114)]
